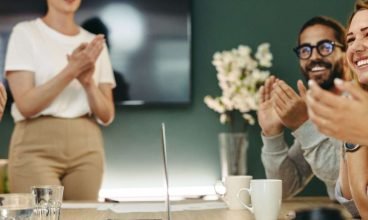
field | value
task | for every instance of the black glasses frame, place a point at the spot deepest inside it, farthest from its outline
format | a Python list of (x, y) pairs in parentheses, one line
[(317, 46)]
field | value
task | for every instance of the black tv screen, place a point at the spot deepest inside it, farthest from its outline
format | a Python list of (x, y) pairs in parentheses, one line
[(149, 43)]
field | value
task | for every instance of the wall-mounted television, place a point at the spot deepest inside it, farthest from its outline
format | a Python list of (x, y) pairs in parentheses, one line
[(149, 43)]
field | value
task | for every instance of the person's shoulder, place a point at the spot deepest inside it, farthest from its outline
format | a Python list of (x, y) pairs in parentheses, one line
[(86, 34), (25, 25)]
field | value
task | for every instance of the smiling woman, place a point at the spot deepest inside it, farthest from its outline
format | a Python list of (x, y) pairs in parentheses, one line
[(346, 118), (70, 92)]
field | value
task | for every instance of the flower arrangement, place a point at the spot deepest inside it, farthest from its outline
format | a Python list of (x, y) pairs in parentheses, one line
[(240, 76)]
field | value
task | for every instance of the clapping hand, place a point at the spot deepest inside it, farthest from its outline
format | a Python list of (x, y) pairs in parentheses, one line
[(345, 118), (290, 106), (84, 58), (268, 119)]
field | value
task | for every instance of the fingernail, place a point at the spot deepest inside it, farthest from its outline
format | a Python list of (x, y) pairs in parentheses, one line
[(310, 82), (338, 81)]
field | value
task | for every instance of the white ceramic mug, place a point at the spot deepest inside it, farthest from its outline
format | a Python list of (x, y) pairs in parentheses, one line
[(231, 187), (266, 197)]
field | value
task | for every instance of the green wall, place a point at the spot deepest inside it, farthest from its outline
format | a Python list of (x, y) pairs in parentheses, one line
[(132, 141)]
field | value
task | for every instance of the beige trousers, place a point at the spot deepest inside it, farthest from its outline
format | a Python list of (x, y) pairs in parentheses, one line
[(56, 151)]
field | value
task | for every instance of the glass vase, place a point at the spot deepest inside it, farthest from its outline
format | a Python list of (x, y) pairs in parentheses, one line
[(233, 153)]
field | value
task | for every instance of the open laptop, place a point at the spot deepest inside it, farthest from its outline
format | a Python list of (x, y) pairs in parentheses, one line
[(166, 175)]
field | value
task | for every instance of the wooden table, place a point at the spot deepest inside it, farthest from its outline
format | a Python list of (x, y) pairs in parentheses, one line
[(215, 214)]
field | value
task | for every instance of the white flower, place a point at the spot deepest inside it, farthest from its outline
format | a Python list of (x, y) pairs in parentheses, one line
[(240, 76), (263, 55), (217, 56), (214, 104), (249, 118), (224, 118), (228, 104), (244, 50)]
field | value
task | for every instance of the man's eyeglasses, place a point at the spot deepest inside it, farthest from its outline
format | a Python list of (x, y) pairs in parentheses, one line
[(324, 48)]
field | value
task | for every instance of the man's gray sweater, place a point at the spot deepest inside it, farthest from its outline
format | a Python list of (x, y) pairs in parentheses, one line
[(312, 153)]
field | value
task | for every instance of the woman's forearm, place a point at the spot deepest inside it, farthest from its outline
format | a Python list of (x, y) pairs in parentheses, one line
[(344, 177), (31, 99), (357, 165), (101, 101), (3, 98)]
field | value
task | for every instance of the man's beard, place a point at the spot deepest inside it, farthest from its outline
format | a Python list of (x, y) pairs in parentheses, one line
[(336, 71)]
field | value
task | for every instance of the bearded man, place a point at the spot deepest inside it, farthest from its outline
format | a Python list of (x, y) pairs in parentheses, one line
[(321, 52)]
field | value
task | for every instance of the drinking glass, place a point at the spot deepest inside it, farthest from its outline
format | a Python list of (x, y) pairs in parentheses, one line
[(16, 206), (47, 201)]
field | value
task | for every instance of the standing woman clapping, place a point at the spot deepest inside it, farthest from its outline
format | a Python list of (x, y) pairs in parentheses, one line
[(61, 78)]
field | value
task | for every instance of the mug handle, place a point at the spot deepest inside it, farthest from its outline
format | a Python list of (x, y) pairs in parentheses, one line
[(220, 190), (248, 190)]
